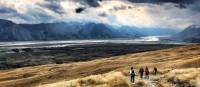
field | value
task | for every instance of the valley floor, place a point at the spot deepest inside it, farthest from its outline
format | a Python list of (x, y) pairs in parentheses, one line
[(183, 57)]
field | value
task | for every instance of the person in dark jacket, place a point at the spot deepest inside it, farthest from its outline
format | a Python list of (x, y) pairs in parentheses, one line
[(132, 74), (147, 72), (155, 70), (141, 71)]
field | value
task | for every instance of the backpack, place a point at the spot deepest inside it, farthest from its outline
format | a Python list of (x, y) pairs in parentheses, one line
[(132, 72)]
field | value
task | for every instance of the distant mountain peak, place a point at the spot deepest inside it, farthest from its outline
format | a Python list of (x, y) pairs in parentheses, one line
[(190, 34), (193, 26)]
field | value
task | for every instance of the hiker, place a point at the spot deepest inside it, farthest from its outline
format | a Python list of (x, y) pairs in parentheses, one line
[(147, 72), (132, 74), (141, 71), (155, 70)]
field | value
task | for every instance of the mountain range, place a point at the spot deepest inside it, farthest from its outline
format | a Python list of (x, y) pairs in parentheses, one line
[(190, 34), (10, 31)]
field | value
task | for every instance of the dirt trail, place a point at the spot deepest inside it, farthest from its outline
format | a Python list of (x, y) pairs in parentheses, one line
[(146, 82)]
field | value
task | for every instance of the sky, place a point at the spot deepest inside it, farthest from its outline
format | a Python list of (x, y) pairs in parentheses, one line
[(173, 14)]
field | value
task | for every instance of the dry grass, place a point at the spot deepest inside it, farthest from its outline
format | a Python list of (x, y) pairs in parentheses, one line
[(112, 79), (176, 78), (181, 57), (140, 83), (182, 78)]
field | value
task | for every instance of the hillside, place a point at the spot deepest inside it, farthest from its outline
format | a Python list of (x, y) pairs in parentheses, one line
[(190, 34), (181, 78), (175, 78), (180, 57), (112, 79)]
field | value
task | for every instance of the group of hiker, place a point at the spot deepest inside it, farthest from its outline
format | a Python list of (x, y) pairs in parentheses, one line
[(142, 72)]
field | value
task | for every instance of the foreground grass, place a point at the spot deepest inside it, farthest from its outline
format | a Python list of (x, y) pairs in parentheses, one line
[(112, 79), (176, 78), (181, 78)]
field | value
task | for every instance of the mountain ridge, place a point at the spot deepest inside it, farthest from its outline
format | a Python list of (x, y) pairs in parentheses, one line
[(9, 31), (190, 34)]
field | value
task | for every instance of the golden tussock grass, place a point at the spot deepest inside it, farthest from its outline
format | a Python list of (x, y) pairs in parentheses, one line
[(112, 79), (182, 78)]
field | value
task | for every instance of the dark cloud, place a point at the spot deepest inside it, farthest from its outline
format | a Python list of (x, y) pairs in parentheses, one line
[(53, 6), (102, 14), (163, 1), (195, 6), (7, 10), (180, 6), (191, 4), (79, 10), (92, 3)]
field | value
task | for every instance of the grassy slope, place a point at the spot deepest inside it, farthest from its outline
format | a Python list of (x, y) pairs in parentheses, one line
[(181, 57), (176, 78), (181, 78), (112, 79)]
